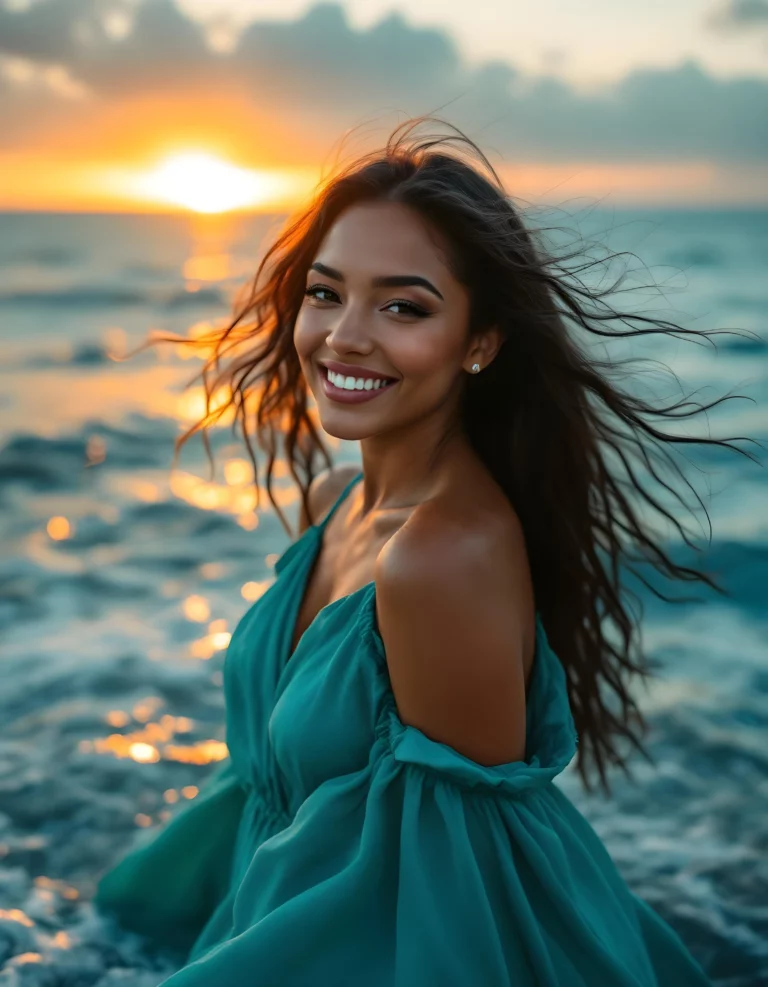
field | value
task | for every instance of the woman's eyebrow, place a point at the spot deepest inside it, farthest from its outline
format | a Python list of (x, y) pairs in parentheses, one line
[(390, 281)]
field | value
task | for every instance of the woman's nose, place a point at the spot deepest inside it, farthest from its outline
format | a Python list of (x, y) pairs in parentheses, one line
[(349, 330)]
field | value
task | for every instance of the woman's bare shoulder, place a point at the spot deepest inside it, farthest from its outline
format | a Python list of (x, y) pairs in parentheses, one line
[(455, 614)]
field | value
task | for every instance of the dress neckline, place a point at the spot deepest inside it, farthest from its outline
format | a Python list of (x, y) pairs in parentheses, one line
[(316, 532)]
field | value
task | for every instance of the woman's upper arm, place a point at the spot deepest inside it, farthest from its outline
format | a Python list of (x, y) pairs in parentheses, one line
[(452, 612)]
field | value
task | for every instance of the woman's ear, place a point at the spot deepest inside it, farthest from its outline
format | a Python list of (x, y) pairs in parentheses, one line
[(484, 348), (495, 342)]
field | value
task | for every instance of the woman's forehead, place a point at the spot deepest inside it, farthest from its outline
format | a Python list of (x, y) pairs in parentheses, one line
[(382, 238)]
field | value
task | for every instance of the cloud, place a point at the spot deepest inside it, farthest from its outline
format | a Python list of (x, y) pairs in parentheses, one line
[(740, 14), (318, 75), (53, 31)]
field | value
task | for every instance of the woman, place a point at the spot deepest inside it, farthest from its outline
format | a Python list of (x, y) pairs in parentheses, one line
[(396, 710)]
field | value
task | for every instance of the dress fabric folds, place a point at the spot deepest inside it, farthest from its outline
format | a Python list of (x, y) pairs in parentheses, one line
[(338, 846)]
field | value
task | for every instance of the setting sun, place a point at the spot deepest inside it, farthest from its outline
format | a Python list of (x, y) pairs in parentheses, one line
[(204, 183)]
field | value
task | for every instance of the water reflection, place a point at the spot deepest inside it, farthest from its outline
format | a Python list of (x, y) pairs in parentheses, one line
[(156, 740)]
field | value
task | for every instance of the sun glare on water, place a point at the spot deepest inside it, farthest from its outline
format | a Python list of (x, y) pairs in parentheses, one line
[(204, 183)]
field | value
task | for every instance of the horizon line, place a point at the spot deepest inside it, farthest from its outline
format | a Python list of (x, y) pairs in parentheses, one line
[(679, 206)]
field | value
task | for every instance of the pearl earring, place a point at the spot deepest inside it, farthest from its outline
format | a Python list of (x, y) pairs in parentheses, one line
[(475, 368)]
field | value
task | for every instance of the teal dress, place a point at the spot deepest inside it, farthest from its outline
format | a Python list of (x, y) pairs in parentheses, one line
[(337, 846)]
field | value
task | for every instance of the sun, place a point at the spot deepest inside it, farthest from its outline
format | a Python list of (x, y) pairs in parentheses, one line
[(204, 183)]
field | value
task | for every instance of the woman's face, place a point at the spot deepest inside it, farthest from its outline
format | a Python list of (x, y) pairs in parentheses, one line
[(412, 334)]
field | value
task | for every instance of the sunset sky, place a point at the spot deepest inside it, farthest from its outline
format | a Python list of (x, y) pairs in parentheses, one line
[(211, 105)]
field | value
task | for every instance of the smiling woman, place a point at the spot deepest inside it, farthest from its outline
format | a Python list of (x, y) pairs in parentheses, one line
[(436, 648)]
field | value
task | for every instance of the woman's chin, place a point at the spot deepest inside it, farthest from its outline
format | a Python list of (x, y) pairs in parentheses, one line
[(350, 431)]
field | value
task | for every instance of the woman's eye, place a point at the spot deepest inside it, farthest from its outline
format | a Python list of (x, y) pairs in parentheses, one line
[(407, 308), (324, 294), (316, 290)]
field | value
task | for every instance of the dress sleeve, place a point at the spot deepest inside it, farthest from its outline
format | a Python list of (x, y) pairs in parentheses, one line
[(427, 869), (170, 882)]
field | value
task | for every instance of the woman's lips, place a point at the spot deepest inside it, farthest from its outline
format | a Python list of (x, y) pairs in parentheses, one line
[(343, 396)]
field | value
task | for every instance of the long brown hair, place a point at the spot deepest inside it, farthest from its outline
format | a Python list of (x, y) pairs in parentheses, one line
[(584, 463)]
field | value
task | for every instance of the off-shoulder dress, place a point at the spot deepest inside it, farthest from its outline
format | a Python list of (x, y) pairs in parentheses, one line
[(339, 847)]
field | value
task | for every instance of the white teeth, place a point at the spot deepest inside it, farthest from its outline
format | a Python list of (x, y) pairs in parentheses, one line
[(355, 383)]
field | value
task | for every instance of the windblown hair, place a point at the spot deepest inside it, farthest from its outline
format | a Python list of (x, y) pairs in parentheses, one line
[(586, 465)]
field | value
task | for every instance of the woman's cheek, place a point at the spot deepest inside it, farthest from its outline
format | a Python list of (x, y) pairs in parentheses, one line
[(303, 336)]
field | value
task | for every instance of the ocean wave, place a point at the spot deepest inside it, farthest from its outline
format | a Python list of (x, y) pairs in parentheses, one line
[(702, 255), (744, 344), (81, 355), (45, 256), (739, 567), (41, 463), (744, 302), (104, 296), (61, 463)]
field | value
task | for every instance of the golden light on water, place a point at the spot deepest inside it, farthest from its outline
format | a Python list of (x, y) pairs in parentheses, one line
[(157, 741), (145, 753), (143, 711), (251, 591), (192, 405), (49, 885), (238, 472), (207, 495), (213, 570), (196, 608), (209, 267), (144, 490), (58, 528), (219, 635), (16, 915), (202, 753), (206, 647)]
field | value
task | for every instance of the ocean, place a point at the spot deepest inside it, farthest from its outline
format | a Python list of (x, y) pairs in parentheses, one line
[(121, 579)]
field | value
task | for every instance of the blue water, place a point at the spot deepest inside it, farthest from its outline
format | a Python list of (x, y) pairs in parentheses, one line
[(120, 580)]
